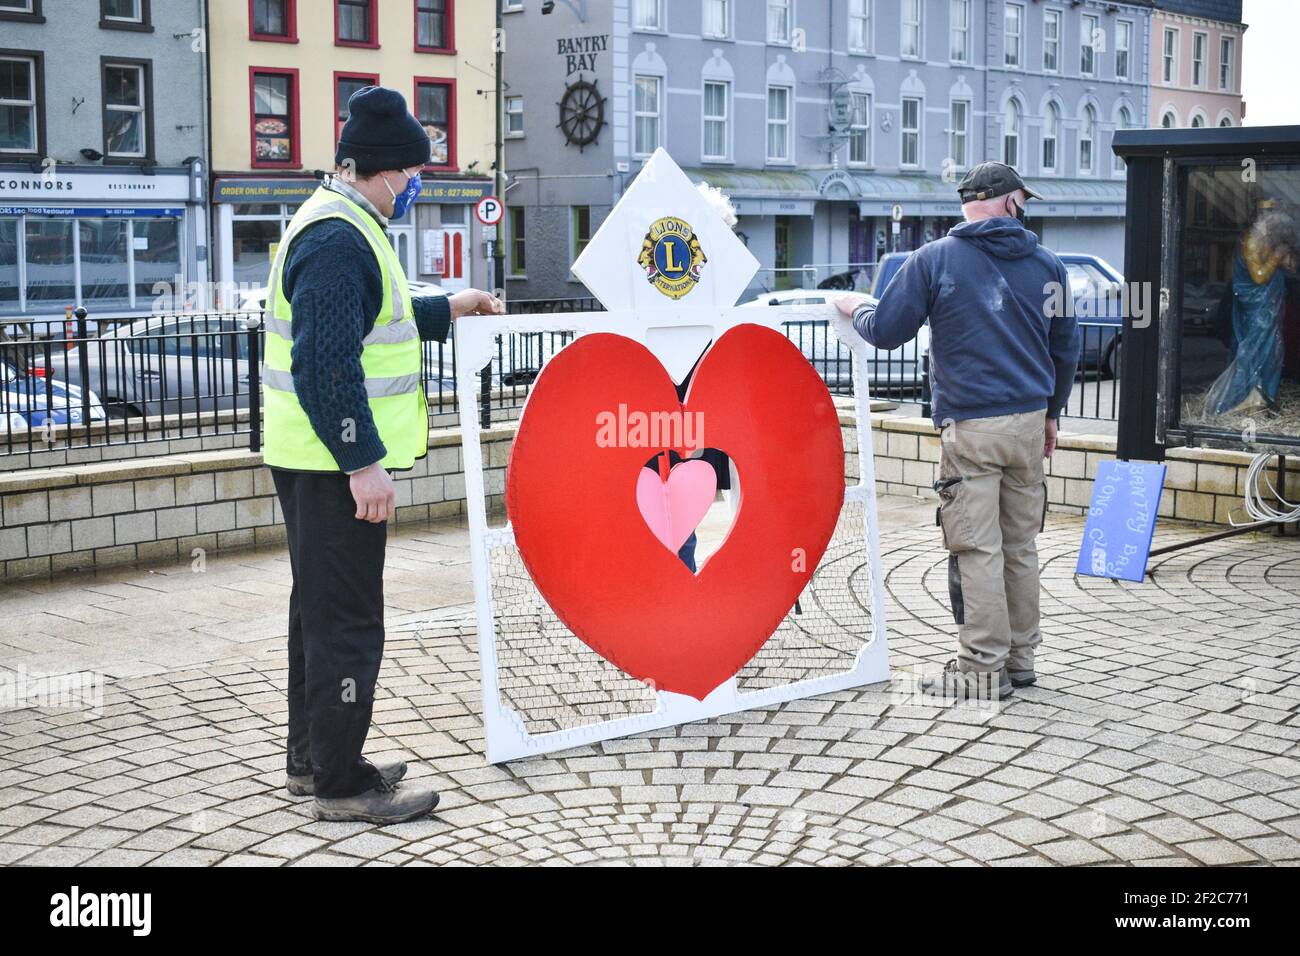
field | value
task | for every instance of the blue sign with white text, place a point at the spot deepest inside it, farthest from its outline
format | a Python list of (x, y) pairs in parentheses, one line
[(1121, 520)]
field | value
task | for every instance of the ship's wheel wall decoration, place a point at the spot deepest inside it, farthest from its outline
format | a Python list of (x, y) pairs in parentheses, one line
[(582, 113)]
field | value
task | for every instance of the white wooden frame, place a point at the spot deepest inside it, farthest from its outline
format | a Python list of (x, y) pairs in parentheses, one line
[(675, 333)]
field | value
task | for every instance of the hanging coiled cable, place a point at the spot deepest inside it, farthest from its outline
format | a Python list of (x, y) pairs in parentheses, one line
[(1263, 502)]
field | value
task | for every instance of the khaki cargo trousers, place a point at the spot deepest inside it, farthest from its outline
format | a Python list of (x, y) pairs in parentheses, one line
[(993, 503)]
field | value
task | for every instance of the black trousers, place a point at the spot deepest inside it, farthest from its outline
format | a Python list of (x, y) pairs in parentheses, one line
[(336, 630)]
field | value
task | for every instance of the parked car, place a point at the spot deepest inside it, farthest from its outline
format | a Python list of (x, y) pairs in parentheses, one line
[(886, 269), (254, 300), (899, 368), (1096, 287), (29, 400), (165, 365)]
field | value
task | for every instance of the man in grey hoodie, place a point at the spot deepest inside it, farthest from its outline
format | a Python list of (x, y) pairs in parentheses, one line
[(1002, 363)]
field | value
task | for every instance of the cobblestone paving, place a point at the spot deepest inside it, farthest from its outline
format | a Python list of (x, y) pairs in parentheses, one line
[(1163, 730)]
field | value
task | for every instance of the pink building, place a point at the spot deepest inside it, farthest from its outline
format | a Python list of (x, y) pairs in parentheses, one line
[(1195, 70)]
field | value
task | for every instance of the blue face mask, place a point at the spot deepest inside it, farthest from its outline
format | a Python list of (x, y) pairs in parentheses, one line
[(402, 201)]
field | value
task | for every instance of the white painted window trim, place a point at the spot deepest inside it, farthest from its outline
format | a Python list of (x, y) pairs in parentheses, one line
[(952, 30), (1019, 65), (1172, 79), (789, 159), (727, 125), (869, 162), (32, 105), (920, 132), (1127, 75), (660, 88), (920, 31)]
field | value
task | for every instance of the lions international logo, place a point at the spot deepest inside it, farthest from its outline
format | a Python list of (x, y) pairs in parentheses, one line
[(672, 257)]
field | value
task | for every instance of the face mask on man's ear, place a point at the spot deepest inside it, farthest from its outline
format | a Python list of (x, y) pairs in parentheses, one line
[(402, 201), (1019, 211)]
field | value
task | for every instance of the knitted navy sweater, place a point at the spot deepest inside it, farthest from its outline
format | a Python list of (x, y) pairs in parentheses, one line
[(335, 288)]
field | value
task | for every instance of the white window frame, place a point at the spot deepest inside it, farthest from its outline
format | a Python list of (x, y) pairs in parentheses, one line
[(137, 17), (787, 123), (1203, 61), (918, 24), (658, 8), (787, 18), (142, 108), (1007, 133), (1088, 52), (1228, 65), (728, 10), (1055, 138), (512, 6), (959, 136), (1052, 43), (33, 106), (1090, 139), (512, 101), (958, 33), (1118, 166), (724, 119), (1019, 46), (861, 17), (861, 130), (1124, 32), (1168, 57), (25, 8), (657, 114), (918, 131)]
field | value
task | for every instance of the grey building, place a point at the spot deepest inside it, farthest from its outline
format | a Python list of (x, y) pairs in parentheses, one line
[(102, 139), (838, 127)]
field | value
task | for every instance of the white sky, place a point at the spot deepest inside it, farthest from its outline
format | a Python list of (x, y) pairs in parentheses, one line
[(1269, 72)]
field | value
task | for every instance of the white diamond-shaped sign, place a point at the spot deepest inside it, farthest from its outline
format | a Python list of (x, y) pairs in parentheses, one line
[(663, 246)]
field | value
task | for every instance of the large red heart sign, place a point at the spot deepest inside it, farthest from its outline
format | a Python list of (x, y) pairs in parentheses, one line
[(600, 409)]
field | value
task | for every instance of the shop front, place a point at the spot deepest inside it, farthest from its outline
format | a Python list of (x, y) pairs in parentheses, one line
[(438, 240), (120, 244)]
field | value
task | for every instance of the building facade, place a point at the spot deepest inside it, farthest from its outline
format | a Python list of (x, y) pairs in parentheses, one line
[(838, 127), (102, 139), (282, 72), (1196, 63)]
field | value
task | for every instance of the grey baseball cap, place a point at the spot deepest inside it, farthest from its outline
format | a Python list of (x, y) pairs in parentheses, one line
[(988, 180)]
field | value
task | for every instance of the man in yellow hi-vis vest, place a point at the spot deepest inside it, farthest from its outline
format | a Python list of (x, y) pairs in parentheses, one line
[(344, 404)]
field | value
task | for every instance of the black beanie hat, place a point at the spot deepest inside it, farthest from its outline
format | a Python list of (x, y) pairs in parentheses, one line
[(381, 134)]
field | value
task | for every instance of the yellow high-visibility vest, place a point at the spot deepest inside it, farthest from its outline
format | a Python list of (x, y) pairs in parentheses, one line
[(390, 357)]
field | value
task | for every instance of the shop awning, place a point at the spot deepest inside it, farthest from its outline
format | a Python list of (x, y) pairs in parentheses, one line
[(763, 192)]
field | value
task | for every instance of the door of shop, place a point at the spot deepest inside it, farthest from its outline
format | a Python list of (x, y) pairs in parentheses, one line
[(451, 243), (403, 240)]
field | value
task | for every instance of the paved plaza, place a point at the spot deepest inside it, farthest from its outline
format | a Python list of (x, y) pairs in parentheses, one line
[(1163, 729)]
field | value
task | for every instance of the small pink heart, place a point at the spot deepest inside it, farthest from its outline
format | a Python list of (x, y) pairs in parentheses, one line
[(674, 508)]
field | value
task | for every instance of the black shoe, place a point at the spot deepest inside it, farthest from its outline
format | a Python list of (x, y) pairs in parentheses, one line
[(1021, 678), (386, 803), (304, 785)]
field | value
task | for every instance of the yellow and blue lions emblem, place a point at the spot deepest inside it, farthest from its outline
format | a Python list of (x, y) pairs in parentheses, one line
[(671, 256)]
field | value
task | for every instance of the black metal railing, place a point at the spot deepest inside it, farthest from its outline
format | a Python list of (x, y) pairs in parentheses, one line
[(1096, 386), (81, 383)]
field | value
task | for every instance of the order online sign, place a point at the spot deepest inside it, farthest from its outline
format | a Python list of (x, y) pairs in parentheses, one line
[(591, 623)]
